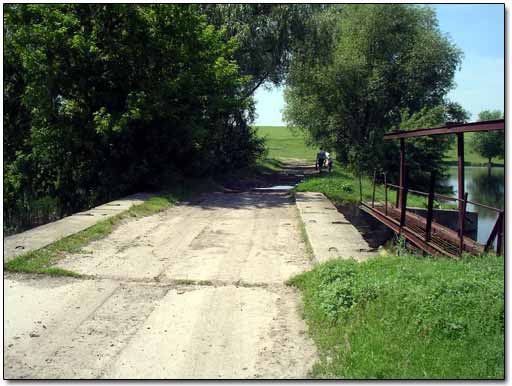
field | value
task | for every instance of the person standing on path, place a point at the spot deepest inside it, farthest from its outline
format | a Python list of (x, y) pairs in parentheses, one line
[(320, 159), (328, 156)]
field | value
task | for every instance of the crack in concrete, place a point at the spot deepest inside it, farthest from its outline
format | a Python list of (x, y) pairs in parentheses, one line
[(173, 283)]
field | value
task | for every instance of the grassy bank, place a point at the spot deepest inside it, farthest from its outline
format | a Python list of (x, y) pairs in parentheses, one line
[(342, 187), (406, 318), (42, 260)]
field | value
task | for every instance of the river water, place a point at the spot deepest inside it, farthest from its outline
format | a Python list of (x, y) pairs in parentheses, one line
[(482, 188)]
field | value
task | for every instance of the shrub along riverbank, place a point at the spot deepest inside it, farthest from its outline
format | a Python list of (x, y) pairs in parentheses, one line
[(406, 317)]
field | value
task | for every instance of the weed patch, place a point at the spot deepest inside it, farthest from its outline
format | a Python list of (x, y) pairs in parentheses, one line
[(407, 317)]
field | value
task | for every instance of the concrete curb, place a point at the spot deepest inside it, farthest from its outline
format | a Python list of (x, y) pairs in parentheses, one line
[(47, 234), (330, 234)]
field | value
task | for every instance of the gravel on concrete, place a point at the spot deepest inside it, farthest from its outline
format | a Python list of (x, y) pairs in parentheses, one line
[(196, 291)]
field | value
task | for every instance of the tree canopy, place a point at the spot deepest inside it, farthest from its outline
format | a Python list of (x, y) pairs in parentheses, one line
[(266, 35), (106, 99), (375, 62), (102, 100)]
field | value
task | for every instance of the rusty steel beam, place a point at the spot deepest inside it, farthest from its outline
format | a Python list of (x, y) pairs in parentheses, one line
[(403, 199), (430, 207), (450, 236), (402, 169), (462, 221), (496, 231), (460, 186), (410, 235), (498, 124), (499, 241), (386, 193), (374, 181)]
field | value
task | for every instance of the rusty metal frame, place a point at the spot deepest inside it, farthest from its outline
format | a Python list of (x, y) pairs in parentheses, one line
[(409, 234), (458, 238), (498, 124)]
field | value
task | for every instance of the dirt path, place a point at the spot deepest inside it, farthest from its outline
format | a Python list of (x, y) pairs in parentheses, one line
[(196, 291)]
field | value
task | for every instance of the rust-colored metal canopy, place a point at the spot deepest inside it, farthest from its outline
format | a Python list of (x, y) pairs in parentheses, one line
[(498, 124)]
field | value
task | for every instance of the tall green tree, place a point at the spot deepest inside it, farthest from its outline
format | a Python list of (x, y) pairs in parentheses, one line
[(375, 62), (490, 144), (265, 35), (106, 99)]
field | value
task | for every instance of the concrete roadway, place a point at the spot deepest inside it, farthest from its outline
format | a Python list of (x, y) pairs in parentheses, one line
[(197, 291)]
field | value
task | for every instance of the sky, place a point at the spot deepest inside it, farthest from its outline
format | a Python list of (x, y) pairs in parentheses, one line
[(477, 29)]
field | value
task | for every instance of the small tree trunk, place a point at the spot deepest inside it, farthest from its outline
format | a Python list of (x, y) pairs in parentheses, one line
[(489, 168)]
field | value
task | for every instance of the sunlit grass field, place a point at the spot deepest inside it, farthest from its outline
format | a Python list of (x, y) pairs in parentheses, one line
[(282, 144)]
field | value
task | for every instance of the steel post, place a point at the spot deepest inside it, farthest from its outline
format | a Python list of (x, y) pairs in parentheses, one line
[(460, 177), (430, 207)]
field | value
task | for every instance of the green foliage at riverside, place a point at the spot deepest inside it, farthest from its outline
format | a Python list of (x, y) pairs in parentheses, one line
[(374, 64), (407, 317), (471, 157), (103, 100)]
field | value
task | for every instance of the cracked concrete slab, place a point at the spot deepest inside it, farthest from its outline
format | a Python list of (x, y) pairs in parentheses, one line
[(196, 291), (329, 233)]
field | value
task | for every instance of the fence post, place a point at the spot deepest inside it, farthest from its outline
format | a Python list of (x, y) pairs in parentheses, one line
[(402, 166), (430, 207), (463, 220), (360, 189), (499, 242), (403, 198)]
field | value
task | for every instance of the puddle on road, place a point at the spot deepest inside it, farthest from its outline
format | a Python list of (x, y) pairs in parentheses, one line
[(276, 187)]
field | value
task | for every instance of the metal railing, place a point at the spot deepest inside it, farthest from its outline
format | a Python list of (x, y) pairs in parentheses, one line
[(401, 203)]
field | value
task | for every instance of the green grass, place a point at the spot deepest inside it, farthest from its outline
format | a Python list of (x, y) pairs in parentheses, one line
[(42, 260), (406, 318), (471, 158), (283, 144), (342, 187)]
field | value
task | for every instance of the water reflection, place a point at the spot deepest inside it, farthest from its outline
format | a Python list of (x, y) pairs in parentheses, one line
[(485, 188)]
